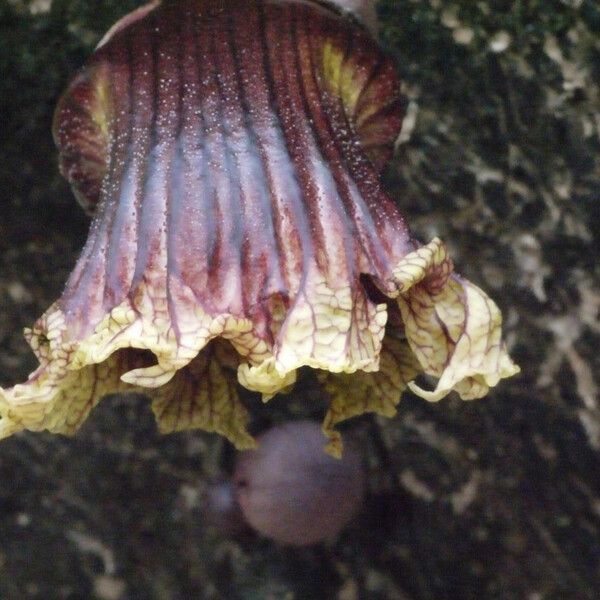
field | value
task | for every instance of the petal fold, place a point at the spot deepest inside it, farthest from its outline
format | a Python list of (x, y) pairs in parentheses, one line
[(188, 388), (378, 391), (337, 330), (453, 328)]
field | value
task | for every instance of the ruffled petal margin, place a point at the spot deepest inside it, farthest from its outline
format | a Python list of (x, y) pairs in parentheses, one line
[(453, 328), (450, 330)]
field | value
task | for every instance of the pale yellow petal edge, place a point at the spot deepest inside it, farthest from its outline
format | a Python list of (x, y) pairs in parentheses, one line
[(452, 328)]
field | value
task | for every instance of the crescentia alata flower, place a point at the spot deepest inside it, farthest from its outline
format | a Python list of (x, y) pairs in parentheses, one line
[(230, 152)]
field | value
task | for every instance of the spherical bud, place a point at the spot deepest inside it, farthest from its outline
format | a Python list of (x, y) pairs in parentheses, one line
[(291, 491)]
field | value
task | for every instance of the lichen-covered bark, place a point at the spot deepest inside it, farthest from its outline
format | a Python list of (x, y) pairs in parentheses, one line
[(494, 499)]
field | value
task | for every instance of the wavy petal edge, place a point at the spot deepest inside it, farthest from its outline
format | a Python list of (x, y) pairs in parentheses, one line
[(451, 331)]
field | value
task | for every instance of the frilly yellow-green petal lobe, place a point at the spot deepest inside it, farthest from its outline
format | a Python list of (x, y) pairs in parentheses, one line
[(377, 391), (453, 328), (205, 396), (120, 357), (336, 330)]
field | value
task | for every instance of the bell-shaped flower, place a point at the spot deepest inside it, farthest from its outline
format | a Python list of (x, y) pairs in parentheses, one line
[(230, 154)]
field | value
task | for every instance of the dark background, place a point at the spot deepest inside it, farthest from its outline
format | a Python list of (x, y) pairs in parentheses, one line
[(499, 498)]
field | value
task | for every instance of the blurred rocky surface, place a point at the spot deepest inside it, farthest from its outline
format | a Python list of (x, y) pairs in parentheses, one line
[(499, 498)]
